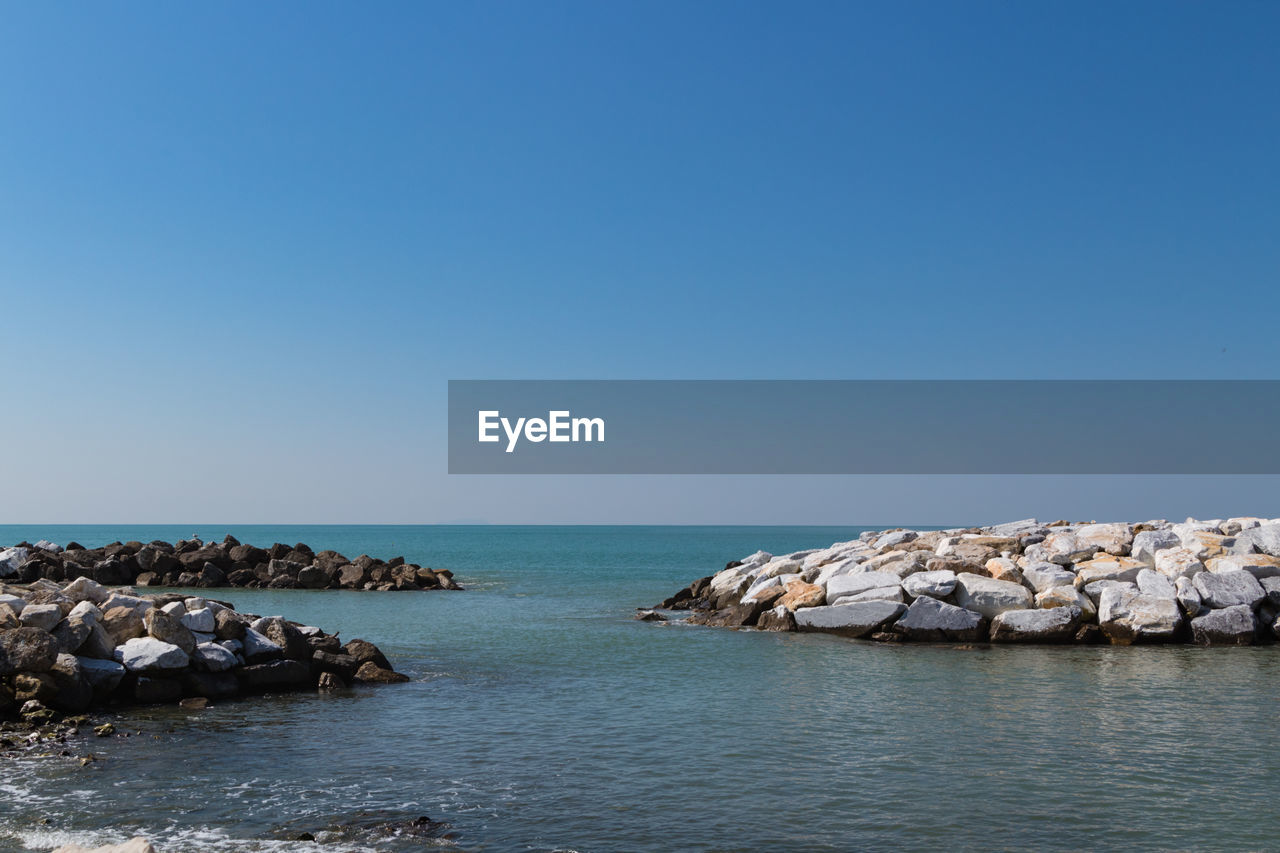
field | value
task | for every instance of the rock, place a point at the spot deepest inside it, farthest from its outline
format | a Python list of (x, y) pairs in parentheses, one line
[(37, 687), (98, 644), (133, 845), (147, 654), (194, 703), (1004, 569), (879, 593), (278, 673), (123, 623), (1187, 595), (934, 584), (199, 620), (210, 685), (344, 665), (13, 602), (990, 597), (1205, 544), (1132, 617), (329, 681), (1264, 539), (1114, 538), (776, 619), (149, 690), (1044, 576), (1235, 626), (931, 620), (213, 658), (650, 616), (74, 693), (844, 585), (229, 625), (290, 640), (1154, 583), (1227, 589), (1108, 568), (8, 618), (352, 576), (1259, 565), (313, 577), (258, 649), (1063, 548), (1095, 589), (800, 594), (1271, 586), (1147, 543), (370, 673), (1178, 562), (104, 676), (1055, 625), (1068, 596), (363, 650), (26, 650), (71, 633), (84, 589), (167, 628), (851, 620), (42, 616), (11, 559), (894, 538)]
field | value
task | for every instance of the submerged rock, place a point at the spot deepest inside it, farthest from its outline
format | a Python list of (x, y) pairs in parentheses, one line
[(1235, 625), (1055, 625)]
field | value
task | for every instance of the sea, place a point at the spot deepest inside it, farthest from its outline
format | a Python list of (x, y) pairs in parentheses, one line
[(541, 716)]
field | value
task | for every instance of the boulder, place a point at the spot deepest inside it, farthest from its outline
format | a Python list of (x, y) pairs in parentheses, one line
[(931, 620), (213, 658), (123, 623), (84, 589), (290, 640), (1153, 583), (1234, 626), (1227, 589), (1062, 547), (150, 690), (1113, 538), (879, 593), (74, 693), (934, 584), (26, 650), (201, 620), (1264, 539), (800, 594), (776, 619), (370, 673), (98, 644), (11, 559), (258, 649), (1108, 568), (989, 597), (8, 618), (1128, 616), (313, 577), (1055, 625), (277, 673), (1042, 576), (71, 633), (167, 628), (104, 676), (1178, 562), (210, 685), (1187, 595), (13, 602), (229, 625), (147, 654), (845, 585), (851, 620), (42, 616), (1147, 543), (38, 687), (1259, 565), (1068, 596), (1271, 586)]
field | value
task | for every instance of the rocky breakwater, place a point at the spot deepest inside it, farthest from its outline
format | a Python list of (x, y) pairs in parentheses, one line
[(192, 563), (67, 649), (1213, 582)]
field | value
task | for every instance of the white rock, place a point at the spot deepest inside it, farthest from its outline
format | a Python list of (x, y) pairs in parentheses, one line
[(42, 616), (897, 537), (1154, 583), (1178, 563), (16, 603), (879, 593), (1233, 526), (1187, 595), (1042, 576), (232, 646), (51, 547), (1264, 539), (84, 589), (198, 620), (843, 585), (204, 636), (936, 584), (1259, 565), (175, 609), (86, 610), (310, 631), (990, 597), (1149, 542), (1055, 625), (851, 620), (1062, 547), (1128, 617), (1224, 589), (1114, 538), (1235, 625), (214, 657), (133, 602), (146, 654), (195, 604), (255, 644), (1067, 596), (11, 559)]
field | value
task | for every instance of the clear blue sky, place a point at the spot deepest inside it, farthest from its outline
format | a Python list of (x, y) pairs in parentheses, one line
[(243, 246)]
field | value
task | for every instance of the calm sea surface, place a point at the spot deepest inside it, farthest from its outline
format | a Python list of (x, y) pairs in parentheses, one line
[(542, 717)]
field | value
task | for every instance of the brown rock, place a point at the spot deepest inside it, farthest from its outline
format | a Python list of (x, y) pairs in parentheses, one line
[(371, 673), (169, 629), (800, 594), (122, 624), (365, 651), (26, 650)]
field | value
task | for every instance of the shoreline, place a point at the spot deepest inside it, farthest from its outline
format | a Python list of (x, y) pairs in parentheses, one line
[(1213, 582)]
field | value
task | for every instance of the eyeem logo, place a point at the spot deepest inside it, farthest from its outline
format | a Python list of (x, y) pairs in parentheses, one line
[(559, 426)]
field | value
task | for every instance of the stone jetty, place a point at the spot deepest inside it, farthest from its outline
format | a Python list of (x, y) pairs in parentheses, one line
[(1214, 582), (66, 649), (209, 565)]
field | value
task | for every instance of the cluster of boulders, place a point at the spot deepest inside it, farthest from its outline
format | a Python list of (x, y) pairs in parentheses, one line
[(1208, 582), (192, 563), (66, 649)]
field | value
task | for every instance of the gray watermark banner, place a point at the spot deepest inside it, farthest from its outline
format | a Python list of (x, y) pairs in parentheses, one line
[(864, 427)]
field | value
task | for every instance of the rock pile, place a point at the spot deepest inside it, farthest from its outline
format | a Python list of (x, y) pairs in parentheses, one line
[(66, 649), (1211, 582), (192, 563)]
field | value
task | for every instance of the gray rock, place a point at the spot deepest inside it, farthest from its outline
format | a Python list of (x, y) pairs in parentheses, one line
[(1153, 583), (1148, 542), (897, 537), (165, 626), (26, 650), (42, 616), (879, 593), (99, 643), (1264, 539), (937, 584), (1227, 589), (15, 603), (990, 597), (1188, 597), (71, 633), (1132, 617), (842, 585), (147, 654), (1094, 590), (11, 559), (103, 675), (258, 648), (1042, 576), (850, 620), (214, 658), (279, 673), (84, 589), (1055, 625), (931, 620), (1271, 586), (199, 620), (1235, 626)]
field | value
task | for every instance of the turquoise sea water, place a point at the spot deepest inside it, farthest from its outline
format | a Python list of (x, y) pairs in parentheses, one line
[(542, 717)]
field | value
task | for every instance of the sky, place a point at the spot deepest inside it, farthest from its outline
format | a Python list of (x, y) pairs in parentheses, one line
[(244, 246)]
